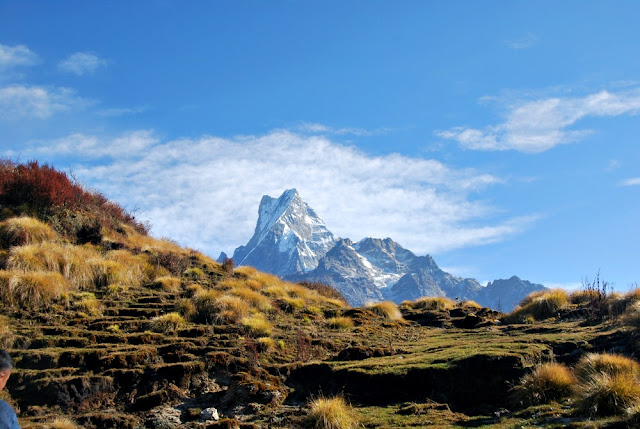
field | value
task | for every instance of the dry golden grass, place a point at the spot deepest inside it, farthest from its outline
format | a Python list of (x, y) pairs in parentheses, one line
[(266, 343), (548, 382), (631, 316), (32, 289), (592, 364), (257, 324), (18, 231), (187, 308), (539, 305), (386, 309), (583, 296), (6, 333), (332, 413), (470, 304), (212, 306), (432, 303), (62, 423), (255, 299), (606, 394), (129, 269), (341, 323), (87, 303), (167, 322), (167, 283), (116, 290)]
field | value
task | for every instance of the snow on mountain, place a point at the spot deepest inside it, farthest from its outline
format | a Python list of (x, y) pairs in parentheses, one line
[(290, 240), (289, 237)]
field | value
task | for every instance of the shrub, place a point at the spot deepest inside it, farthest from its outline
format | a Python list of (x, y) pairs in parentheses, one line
[(547, 382), (32, 289), (212, 306), (343, 323), (23, 230), (584, 296), (227, 266), (62, 423), (387, 309), (257, 325), (433, 303), (539, 306), (6, 334), (332, 413), (187, 308), (167, 322), (606, 394), (592, 364), (167, 283)]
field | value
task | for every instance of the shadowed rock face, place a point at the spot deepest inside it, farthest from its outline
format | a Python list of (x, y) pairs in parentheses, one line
[(291, 241)]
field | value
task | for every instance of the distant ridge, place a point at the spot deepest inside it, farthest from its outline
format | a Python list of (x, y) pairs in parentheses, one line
[(292, 241)]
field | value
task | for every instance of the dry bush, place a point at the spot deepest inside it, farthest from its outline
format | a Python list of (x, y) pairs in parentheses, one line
[(87, 303), (325, 290), (187, 308), (332, 413), (605, 394), (257, 324), (548, 382), (73, 262), (342, 323), (133, 271), (631, 316), (583, 296), (167, 322), (255, 299), (539, 306), (433, 303), (19, 231), (386, 309), (266, 343), (167, 283), (470, 304), (6, 334), (214, 307), (592, 364), (62, 423), (32, 289)]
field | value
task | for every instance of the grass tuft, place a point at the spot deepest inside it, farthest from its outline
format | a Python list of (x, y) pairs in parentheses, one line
[(19, 231), (62, 423), (167, 322), (548, 382), (31, 289), (432, 303), (592, 364), (387, 309), (332, 413), (257, 324), (539, 305), (340, 323)]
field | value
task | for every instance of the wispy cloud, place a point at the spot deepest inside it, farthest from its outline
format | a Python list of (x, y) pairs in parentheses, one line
[(524, 42), (315, 128), (205, 192), (18, 55), (634, 181), (122, 111), (81, 63), (539, 125), (21, 101)]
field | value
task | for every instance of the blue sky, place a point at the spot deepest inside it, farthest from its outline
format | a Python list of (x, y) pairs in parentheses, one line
[(501, 137)]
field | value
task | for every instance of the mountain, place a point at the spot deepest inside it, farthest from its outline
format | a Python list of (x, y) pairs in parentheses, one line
[(290, 240), (504, 295)]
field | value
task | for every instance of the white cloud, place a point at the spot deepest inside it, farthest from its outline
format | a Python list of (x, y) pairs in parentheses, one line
[(20, 101), (122, 111), (205, 192), (634, 181), (314, 128), (523, 42), (18, 55), (539, 125), (80, 63)]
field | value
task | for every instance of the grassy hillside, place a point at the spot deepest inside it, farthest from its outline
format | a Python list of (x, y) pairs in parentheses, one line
[(112, 328)]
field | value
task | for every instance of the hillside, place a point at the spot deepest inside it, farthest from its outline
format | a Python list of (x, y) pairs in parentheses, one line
[(112, 328)]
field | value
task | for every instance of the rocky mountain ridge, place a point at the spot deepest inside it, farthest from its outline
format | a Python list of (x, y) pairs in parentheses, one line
[(292, 241)]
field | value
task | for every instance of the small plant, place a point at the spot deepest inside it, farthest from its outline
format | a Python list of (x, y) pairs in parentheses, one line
[(470, 305), (433, 303), (167, 322), (341, 323), (257, 325), (187, 308), (539, 305), (332, 413), (167, 283), (548, 382), (592, 364), (62, 423), (387, 309), (114, 329), (227, 266)]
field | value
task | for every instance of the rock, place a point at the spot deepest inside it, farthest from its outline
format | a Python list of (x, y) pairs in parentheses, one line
[(210, 414)]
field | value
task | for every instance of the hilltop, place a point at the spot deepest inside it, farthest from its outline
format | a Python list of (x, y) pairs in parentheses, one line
[(112, 328)]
